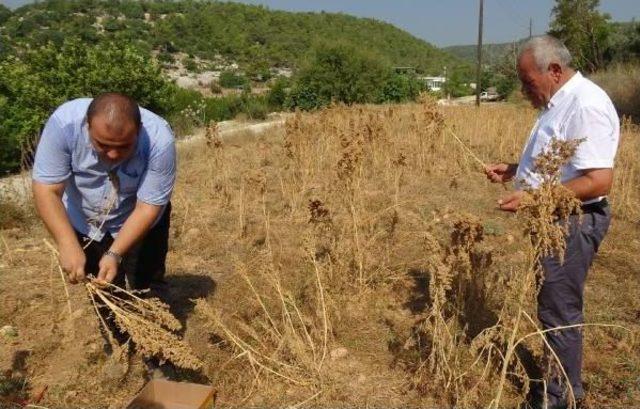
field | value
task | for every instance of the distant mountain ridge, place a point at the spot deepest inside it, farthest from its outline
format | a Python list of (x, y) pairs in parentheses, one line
[(491, 53), (244, 33)]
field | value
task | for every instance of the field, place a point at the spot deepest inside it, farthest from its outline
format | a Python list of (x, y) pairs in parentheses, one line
[(352, 257)]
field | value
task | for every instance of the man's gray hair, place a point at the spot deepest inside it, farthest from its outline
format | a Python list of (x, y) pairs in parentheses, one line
[(547, 49)]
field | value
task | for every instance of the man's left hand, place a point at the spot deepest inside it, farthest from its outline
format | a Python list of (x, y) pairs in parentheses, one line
[(108, 269), (511, 202)]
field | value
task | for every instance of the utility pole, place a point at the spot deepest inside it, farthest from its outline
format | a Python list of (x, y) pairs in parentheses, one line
[(530, 27), (479, 68)]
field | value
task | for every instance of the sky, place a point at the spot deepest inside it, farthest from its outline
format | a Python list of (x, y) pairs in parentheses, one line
[(444, 23)]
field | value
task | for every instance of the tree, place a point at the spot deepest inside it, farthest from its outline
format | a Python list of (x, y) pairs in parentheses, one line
[(457, 84), (400, 88), (5, 13), (584, 30), (338, 72)]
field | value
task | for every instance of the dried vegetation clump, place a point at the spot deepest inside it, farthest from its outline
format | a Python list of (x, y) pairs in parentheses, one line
[(546, 208), (147, 321)]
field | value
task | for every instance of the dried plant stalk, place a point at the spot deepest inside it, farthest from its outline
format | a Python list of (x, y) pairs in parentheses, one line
[(546, 209), (147, 321)]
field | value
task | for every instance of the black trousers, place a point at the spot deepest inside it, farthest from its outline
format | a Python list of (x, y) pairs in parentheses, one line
[(560, 300), (143, 265)]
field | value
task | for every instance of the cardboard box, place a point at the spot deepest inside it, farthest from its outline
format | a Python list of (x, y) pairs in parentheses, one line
[(163, 394)]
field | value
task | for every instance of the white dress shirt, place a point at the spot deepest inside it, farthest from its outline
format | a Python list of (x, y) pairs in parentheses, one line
[(578, 110)]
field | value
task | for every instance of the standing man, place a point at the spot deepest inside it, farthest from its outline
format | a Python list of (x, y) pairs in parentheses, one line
[(103, 175), (571, 107)]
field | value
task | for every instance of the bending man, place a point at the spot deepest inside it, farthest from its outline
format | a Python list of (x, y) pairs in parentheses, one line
[(103, 175)]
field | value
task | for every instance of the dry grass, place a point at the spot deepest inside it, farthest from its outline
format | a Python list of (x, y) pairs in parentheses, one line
[(359, 188), (622, 83), (358, 261)]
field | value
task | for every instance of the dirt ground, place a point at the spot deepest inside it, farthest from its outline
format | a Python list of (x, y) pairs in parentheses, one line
[(57, 352)]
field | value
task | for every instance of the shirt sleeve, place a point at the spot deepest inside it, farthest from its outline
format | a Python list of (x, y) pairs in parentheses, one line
[(52, 163), (600, 138), (159, 178)]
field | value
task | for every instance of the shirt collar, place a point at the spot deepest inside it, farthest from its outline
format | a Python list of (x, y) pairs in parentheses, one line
[(565, 90)]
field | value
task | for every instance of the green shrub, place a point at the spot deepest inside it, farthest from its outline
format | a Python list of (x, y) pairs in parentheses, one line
[(338, 72), (190, 64), (277, 95), (35, 83), (255, 107), (400, 88), (306, 98), (230, 79), (166, 58)]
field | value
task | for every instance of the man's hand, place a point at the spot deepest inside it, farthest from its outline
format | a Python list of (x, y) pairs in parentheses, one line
[(501, 172), (72, 261), (107, 268), (511, 202)]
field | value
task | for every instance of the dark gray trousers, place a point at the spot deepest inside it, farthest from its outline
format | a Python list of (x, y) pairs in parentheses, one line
[(561, 297)]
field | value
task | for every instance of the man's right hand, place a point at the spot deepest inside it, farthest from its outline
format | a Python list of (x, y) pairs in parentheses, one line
[(72, 261), (501, 172), (48, 201)]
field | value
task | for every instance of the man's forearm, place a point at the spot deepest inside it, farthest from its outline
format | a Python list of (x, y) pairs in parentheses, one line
[(583, 188), (135, 227), (48, 202), (593, 183)]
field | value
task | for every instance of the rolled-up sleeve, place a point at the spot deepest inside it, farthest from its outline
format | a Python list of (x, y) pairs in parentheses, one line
[(159, 178), (52, 163)]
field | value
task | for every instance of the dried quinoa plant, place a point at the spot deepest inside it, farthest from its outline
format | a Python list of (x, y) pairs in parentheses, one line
[(546, 209), (147, 321), (457, 278)]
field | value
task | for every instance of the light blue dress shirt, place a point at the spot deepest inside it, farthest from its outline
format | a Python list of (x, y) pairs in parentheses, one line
[(99, 197)]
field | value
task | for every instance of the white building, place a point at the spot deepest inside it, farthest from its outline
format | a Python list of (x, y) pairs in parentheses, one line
[(434, 83)]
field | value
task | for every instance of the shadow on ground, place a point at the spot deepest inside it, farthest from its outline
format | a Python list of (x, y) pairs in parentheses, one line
[(179, 291)]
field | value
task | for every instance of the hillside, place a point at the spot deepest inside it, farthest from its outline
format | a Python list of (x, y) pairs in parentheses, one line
[(623, 46), (253, 36), (491, 53)]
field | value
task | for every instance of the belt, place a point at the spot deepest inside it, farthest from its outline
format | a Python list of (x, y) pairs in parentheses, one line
[(596, 207)]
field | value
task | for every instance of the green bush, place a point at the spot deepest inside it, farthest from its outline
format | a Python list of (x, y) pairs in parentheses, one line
[(5, 13), (341, 73), (277, 95), (338, 72), (255, 107), (190, 64), (230, 79), (400, 88), (33, 84)]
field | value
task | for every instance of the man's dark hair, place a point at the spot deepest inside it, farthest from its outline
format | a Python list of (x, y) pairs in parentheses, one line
[(118, 108)]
